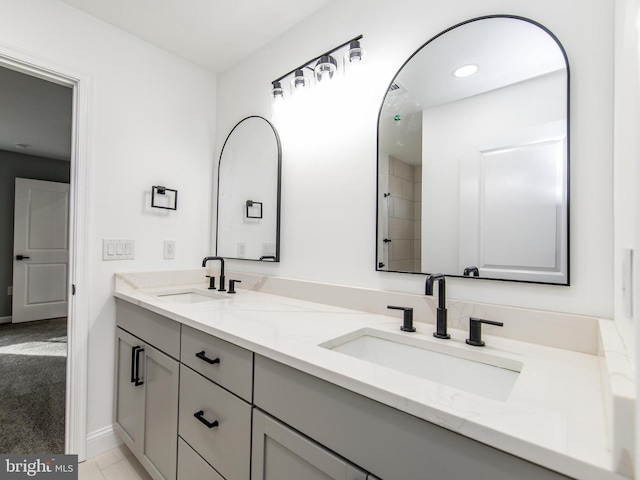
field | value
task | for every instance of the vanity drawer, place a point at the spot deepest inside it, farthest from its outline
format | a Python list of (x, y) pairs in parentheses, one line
[(161, 332), (233, 367), (225, 445), (191, 466)]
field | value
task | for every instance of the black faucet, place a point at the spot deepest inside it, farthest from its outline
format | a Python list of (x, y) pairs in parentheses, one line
[(212, 279), (441, 311)]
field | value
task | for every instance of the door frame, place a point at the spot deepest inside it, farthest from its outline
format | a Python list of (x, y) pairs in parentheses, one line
[(78, 308)]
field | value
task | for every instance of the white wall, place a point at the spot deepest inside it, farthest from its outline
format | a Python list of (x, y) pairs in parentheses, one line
[(152, 123), (328, 220), (627, 177), (627, 153)]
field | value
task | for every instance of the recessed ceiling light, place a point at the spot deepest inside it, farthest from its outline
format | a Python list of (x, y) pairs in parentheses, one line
[(22, 146), (465, 71)]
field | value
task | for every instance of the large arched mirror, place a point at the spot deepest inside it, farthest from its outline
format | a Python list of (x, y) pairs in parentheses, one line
[(473, 156), (248, 220)]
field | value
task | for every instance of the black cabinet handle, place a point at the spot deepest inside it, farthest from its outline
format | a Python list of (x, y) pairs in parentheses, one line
[(200, 416), (22, 257), (201, 355), (137, 352), (133, 364)]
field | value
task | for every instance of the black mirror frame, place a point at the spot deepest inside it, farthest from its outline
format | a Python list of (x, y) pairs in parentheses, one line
[(278, 192), (568, 184)]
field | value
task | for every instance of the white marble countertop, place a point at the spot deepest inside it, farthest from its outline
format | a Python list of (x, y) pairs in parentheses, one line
[(554, 416)]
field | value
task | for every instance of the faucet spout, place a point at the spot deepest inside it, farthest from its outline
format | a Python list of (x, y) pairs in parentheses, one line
[(204, 264), (441, 311)]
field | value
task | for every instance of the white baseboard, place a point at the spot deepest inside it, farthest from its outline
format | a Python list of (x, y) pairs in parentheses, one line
[(101, 441), (5, 319)]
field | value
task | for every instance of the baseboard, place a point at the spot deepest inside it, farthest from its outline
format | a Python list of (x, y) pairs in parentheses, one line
[(101, 441), (5, 319)]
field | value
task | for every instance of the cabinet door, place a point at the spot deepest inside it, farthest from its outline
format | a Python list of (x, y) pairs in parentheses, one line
[(129, 401), (192, 466), (158, 449), (279, 453)]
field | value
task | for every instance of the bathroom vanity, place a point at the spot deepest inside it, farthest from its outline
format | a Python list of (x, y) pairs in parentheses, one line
[(262, 386)]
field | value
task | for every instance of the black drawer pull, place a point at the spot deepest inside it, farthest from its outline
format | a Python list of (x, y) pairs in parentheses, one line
[(201, 355), (200, 416)]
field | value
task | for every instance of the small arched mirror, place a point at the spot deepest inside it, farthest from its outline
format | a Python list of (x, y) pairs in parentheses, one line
[(473, 156), (248, 220)]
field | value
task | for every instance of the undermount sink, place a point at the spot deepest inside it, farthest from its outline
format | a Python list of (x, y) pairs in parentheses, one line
[(190, 297), (461, 367)]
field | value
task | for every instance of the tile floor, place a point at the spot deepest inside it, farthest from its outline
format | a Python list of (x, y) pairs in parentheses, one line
[(116, 464)]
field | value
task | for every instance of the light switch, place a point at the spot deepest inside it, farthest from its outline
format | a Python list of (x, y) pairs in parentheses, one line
[(117, 249)]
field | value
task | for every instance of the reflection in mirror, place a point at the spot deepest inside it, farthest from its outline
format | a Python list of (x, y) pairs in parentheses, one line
[(248, 224), (473, 161)]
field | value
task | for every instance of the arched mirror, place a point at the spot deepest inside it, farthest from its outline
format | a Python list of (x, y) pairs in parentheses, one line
[(248, 221), (473, 156)]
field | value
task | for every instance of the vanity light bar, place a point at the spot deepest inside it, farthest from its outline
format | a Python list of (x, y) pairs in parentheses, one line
[(325, 68)]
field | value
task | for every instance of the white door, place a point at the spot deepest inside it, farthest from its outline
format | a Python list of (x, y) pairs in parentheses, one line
[(40, 250)]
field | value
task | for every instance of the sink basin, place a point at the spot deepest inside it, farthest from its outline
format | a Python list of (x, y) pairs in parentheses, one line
[(469, 370), (190, 297)]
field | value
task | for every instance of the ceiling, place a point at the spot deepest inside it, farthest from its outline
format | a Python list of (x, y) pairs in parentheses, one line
[(214, 34), (35, 113), (506, 50)]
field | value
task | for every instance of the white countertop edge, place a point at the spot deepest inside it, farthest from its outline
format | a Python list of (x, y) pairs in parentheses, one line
[(551, 459)]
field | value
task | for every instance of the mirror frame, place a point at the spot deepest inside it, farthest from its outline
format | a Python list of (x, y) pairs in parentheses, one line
[(278, 189), (568, 155)]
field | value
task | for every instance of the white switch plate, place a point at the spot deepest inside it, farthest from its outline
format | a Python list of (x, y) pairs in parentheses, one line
[(118, 249), (169, 249)]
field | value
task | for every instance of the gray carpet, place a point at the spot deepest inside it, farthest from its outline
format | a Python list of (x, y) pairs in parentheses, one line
[(32, 386)]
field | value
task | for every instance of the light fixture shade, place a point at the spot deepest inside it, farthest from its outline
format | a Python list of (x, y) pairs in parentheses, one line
[(355, 53), (299, 80), (277, 91), (325, 68)]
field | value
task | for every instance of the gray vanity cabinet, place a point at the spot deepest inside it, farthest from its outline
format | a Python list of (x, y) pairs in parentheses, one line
[(147, 387), (191, 406), (387, 442), (147, 404), (280, 453)]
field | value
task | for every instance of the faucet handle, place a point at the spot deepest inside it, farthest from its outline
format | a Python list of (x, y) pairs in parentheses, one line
[(232, 285), (475, 330), (212, 282), (407, 318)]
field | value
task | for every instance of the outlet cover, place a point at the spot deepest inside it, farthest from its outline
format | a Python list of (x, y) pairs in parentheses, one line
[(9, 290), (242, 249), (169, 249)]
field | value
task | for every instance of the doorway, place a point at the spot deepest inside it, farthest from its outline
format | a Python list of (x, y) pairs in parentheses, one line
[(35, 142), (78, 309)]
